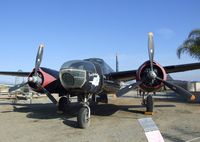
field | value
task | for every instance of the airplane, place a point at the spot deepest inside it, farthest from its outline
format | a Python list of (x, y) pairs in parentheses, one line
[(92, 79)]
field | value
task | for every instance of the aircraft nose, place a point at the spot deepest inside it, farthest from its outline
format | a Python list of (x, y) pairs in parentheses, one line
[(72, 78), (68, 78)]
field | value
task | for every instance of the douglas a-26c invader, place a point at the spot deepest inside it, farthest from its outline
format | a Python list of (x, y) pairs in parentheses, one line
[(92, 79)]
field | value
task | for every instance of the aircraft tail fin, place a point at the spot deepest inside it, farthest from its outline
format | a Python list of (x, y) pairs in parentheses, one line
[(117, 63)]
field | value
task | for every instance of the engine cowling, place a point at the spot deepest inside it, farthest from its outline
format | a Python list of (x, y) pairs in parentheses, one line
[(149, 84), (44, 78)]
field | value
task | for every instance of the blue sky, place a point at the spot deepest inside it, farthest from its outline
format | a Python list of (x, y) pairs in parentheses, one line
[(78, 29)]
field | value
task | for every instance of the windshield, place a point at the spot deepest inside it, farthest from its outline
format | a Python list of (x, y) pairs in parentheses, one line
[(105, 67), (79, 64)]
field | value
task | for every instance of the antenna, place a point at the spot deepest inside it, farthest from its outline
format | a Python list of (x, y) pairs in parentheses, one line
[(117, 63)]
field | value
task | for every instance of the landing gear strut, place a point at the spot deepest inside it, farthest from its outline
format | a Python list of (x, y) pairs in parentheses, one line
[(83, 117)]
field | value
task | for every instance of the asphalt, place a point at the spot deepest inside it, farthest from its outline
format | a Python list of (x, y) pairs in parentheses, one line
[(113, 122)]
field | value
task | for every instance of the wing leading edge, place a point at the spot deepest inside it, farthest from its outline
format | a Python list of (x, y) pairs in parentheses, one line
[(182, 68), (21, 74)]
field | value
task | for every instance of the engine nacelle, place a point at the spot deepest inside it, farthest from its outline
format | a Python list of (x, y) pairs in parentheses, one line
[(45, 77), (149, 84)]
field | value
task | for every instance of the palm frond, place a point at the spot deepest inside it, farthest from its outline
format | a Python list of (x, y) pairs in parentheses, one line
[(193, 33), (191, 45)]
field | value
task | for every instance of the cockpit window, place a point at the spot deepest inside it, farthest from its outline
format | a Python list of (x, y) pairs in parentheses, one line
[(105, 67), (79, 64)]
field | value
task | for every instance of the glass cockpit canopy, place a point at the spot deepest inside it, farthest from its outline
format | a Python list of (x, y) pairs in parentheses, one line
[(80, 65), (106, 69)]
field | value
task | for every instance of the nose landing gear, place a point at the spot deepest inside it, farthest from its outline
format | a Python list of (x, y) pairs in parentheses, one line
[(83, 117)]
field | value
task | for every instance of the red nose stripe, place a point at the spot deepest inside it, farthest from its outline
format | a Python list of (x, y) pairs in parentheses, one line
[(47, 78)]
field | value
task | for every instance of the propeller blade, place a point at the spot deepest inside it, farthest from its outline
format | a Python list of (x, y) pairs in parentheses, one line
[(17, 86), (178, 89), (38, 58), (126, 89), (48, 94), (151, 49)]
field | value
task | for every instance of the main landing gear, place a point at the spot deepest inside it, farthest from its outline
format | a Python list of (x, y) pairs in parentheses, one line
[(148, 102), (62, 104), (83, 117)]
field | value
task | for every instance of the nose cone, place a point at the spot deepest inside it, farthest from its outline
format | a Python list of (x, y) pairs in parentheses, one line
[(67, 78), (72, 78), (73, 74)]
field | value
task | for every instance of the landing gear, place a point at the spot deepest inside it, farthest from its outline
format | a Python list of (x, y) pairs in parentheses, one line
[(143, 103), (149, 103), (83, 117), (62, 104)]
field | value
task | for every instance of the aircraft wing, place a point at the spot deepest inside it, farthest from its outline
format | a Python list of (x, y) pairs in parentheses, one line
[(131, 74), (21, 74), (181, 68), (122, 75)]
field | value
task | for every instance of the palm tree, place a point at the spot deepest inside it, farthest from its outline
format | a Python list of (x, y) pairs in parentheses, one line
[(191, 45)]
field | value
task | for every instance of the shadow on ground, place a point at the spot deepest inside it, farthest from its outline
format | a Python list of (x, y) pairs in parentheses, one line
[(48, 111)]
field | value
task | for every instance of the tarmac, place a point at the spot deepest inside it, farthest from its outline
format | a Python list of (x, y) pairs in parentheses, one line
[(114, 122)]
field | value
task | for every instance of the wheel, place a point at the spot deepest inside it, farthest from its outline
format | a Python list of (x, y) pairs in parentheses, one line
[(149, 103), (62, 104), (83, 119)]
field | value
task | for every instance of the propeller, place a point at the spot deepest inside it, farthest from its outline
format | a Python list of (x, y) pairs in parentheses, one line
[(48, 94), (151, 49), (17, 86), (152, 76), (38, 59), (178, 89), (126, 89), (35, 78)]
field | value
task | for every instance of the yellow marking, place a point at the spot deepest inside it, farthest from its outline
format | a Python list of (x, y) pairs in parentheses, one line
[(148, 113), (192, 98)]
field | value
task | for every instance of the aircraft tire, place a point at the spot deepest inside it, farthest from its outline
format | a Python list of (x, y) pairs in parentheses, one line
[(149, 103), (82, 118), (63, 101)]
